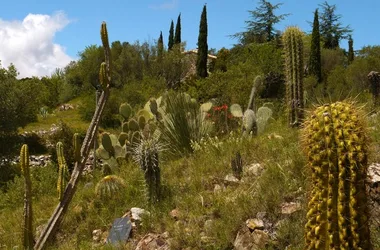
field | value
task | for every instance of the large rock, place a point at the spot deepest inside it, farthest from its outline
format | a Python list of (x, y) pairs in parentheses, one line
[(247, 240)]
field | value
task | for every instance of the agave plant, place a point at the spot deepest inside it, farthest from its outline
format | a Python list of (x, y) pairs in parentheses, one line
[(182, 122)]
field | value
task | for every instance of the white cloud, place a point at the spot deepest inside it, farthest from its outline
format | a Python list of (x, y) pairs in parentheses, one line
[(164, 6), (29, 45)]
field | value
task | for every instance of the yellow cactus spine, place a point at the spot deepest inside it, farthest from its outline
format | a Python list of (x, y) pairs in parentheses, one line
[(62, 171), (336, 146), (28, 241)]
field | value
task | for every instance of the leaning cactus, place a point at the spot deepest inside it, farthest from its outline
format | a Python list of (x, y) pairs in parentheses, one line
[(62, 171), (256, 84), (293, 50), (335, 140), (28, 214)]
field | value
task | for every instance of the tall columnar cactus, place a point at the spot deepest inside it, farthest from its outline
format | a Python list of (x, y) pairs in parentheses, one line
[(374, 79), (335, 141), (293, 52), (62, 171), (28, 241), (76, 146)]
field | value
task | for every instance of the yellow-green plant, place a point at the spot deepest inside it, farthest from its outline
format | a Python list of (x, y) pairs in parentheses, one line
[(336, 144), (62, 170), (28, 241), (109, 186), (293, 53)]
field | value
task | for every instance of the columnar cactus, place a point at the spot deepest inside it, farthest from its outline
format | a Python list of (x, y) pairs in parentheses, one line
[(293, 52), (374, 79), (62, 171), (28, 241), (335, 141), (76, 146)]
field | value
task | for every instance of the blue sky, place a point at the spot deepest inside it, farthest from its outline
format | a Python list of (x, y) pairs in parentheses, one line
[(77, 22)]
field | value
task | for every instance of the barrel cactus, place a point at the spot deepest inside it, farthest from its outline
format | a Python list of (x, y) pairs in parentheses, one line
[(336, 144)]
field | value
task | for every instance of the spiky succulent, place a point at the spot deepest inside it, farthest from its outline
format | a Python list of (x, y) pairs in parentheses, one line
[(336, 144), (146, 154), (109, 186)]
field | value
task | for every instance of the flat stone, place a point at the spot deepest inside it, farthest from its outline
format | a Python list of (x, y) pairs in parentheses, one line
[(290, 207)]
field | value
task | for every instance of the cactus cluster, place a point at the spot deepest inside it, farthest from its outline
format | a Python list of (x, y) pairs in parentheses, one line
[(335, 141), (253, 122), (28, 240), (293, 53)]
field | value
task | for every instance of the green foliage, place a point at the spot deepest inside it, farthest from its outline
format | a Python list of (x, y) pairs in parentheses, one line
[(315, 50), (202, 46), (331, 28), (160, 47), (337, 149), (171, 36), (182, 122), (351, 54), (293, 52), (261, 28), (177, 36)]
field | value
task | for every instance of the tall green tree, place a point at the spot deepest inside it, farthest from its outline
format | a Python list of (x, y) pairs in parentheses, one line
[(202, 45), (160, 46), (351, 54), (171, 36), (315, 50), (261, 26), (177, 36), (331, 28)]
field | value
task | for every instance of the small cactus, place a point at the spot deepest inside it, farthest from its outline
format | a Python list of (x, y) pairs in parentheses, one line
[(28, 241), (146, 155), (109, 187), (335, 141), (237, 165)]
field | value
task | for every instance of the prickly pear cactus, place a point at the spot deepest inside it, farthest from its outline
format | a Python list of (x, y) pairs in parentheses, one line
[(334, 136), (28, 241), (62, 171)]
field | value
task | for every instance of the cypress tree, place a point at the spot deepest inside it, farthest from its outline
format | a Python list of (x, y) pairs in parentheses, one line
[(160, 46), (315, 50), (171, 36), (177, 36), (350, 50), (202, 46)]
